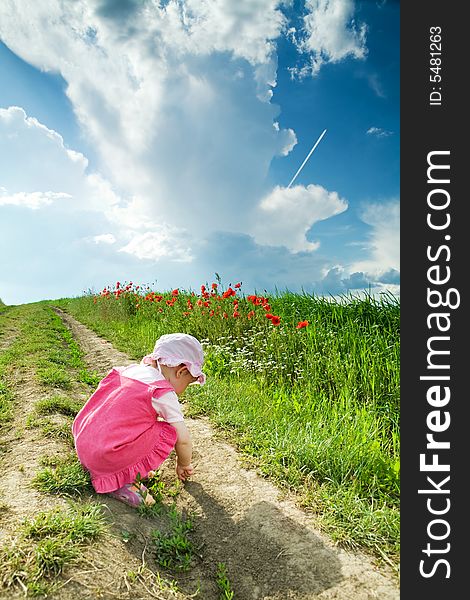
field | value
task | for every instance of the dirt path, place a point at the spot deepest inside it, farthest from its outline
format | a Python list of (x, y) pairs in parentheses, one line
[(269, 546)]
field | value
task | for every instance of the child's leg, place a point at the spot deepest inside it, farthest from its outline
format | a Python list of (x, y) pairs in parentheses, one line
[(133, 494)]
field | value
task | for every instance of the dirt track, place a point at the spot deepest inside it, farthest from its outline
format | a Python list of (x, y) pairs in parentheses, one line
[(271, 548)]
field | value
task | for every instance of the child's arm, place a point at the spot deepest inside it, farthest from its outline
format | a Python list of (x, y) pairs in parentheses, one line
[(184, 451)]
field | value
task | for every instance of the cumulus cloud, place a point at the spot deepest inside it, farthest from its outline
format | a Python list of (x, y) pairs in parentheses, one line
[(383, 243), (330, 35), (338, 281), (40, 170), (286, 214), (245, 28), (58, 168), (39, 159), (155, 245)]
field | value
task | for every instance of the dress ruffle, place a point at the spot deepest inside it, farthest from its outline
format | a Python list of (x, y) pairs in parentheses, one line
[(109, 482)]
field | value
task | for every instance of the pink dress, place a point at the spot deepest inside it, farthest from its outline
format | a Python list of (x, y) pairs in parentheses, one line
[(117, 434)]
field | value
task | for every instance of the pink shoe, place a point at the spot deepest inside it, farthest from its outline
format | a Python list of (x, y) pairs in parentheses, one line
[(133, 495)]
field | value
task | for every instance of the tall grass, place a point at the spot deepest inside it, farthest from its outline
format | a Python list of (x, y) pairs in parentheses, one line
[(316, 407)]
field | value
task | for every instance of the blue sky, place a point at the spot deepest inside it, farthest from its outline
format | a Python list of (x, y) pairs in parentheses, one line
[(154, 142)]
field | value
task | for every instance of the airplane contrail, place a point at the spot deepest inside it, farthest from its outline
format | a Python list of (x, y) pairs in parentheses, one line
[(308, 156)]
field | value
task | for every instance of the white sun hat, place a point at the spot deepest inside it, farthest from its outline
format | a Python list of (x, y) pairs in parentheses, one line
[(173, 349)]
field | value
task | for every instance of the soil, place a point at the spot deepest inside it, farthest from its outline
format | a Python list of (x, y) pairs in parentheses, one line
[(271, 548)]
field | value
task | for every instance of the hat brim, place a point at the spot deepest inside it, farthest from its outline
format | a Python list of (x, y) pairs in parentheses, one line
[(196, 372)]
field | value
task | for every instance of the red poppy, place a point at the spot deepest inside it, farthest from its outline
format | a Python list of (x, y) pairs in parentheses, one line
[(235, 314), (269, 316), (238, 285), (228, 292), (214, 286), (301, 324), (275, 320), (251, 314), (175, 292)]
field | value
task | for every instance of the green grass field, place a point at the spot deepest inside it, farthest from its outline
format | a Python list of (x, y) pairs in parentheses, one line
[(316, 407)]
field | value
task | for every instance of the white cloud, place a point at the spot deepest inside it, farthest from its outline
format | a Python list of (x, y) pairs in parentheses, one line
[(287, 141), (104, 238), (383, 241), (39, 169), (330, 34), (56, 167), (339, 280), (33, 200), (245, 28), (286, 215), (379, 132), (39, 159), (155, 245)]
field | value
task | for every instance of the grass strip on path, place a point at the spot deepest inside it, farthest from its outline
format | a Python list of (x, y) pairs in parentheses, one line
[(47, 544), (42, 355)]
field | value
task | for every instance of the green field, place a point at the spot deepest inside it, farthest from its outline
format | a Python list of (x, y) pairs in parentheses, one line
[(315, 407)]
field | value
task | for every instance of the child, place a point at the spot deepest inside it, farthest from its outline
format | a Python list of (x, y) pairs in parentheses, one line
[(132, 422)]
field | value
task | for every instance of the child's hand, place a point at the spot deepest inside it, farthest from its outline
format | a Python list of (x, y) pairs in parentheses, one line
[(184, 472)]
